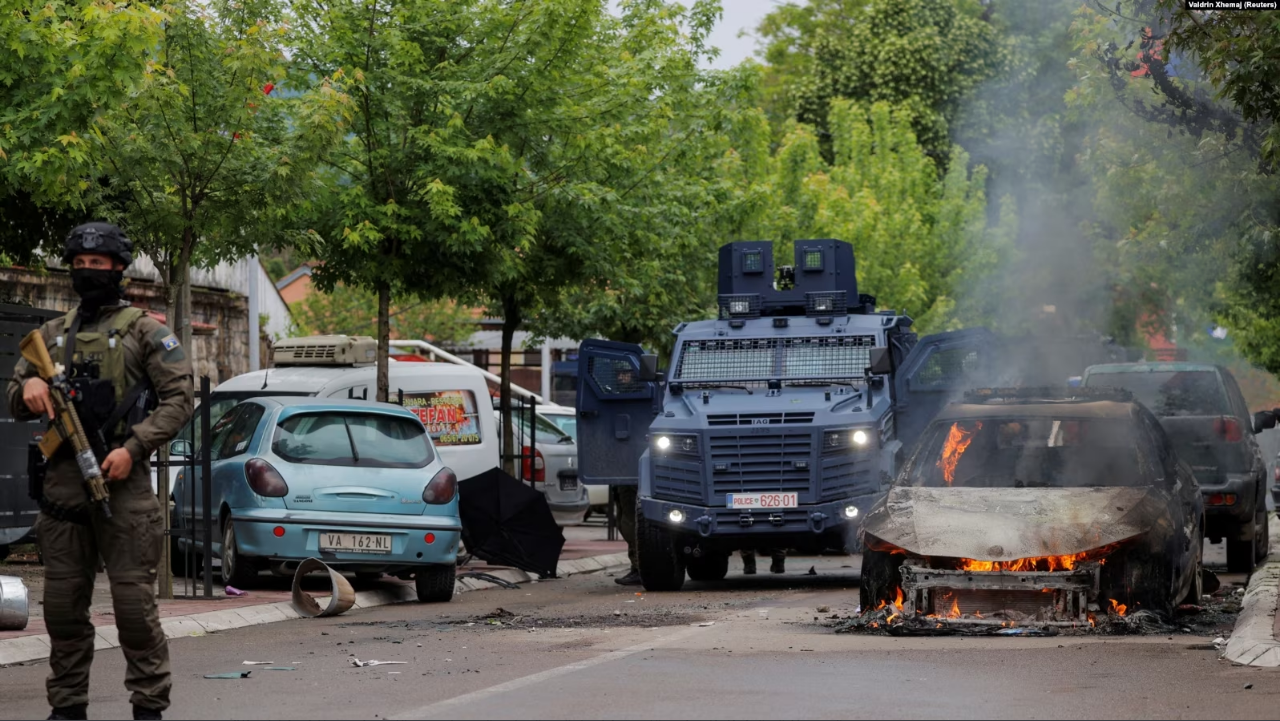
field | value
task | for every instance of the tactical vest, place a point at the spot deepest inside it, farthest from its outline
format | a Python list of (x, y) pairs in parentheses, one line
[(94, 361)]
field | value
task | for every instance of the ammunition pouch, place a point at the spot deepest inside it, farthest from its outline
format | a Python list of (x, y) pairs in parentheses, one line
[(81, 515)]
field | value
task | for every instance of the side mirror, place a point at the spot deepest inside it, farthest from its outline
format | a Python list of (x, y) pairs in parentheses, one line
[(648, 367), (881, 362), (1263, 420), (180, 448)]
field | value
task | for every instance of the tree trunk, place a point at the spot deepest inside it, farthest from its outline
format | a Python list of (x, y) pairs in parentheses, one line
[(384, 341), (510, 322), (179, 311)]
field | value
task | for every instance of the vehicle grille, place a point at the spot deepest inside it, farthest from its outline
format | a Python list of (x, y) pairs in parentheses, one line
[(987, 601), (761, 419), (677, 480), (755, 464), (848, 474)]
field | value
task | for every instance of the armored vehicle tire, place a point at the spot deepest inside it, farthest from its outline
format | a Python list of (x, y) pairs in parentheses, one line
[(4, 552), (661, 565), (709, 567), (880, 578), (435, 584)]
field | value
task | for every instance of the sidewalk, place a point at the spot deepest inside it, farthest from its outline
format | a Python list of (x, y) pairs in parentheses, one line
[(1256, 638), (585, 551)]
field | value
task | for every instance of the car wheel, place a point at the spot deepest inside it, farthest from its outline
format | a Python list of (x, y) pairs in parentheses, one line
[(1139, 579), (880, 579), (1262, 537), (237, 570), (4, 552), (1242, 555), (1195, 592), (434, 584), (177, 559), (661, 565), (709, 567)]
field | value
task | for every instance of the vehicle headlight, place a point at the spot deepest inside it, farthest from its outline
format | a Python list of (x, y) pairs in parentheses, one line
[(676, 515), (682, 444), (860, 438)]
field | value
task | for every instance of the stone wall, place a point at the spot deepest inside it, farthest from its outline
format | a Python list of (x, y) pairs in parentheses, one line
[(220, 329)]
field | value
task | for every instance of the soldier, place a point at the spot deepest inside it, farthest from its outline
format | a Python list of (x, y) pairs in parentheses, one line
[(134, 383), (778, 565), (626, 497)]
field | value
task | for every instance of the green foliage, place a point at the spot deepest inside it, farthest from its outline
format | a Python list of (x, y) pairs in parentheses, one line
[(61, 62), (354, 311), (202, 162), (923, 56), (922, 242)]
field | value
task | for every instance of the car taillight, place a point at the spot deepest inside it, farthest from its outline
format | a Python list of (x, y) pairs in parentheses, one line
[(265, 480), (442, 488), (1228, 429), (1220, 499), (534, 467)]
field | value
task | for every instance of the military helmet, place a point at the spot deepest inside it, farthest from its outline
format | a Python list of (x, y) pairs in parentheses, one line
[(102, 238)]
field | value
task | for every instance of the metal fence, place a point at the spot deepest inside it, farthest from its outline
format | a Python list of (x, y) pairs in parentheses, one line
[(188, 568)]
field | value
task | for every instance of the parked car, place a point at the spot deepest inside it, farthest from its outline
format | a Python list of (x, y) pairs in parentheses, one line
[(553, 467), (566, 419), (359, 485), (1022, 502), (1204, 413)]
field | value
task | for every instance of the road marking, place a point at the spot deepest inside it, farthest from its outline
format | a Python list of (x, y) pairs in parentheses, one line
[(441, 707)]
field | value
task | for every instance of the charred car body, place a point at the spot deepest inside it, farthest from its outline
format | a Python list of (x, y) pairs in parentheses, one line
[(781, 422), (1037, 504)]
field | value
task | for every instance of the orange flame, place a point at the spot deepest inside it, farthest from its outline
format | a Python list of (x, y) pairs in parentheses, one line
[(1119, 608), (958, 441), (897, 602), (1038, 563), (955, 609)]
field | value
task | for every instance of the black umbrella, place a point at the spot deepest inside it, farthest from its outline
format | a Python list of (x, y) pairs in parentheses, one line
[(509, 523)]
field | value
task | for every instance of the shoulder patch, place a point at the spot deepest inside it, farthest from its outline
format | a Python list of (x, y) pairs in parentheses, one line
[(169, 342)]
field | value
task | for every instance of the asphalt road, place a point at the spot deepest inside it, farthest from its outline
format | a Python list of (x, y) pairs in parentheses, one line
[(584, 647)]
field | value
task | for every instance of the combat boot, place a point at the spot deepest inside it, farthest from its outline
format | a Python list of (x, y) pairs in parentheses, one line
[(749, 565), (141, 713), (631, 579), (779, 565), (79, 711)]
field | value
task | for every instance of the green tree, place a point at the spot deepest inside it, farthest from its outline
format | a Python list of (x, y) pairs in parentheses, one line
[(924, 56), (354, 311), (205, 156), (61, 62)]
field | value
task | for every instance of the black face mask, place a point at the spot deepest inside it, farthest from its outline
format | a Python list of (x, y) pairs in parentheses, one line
[(97, 288)]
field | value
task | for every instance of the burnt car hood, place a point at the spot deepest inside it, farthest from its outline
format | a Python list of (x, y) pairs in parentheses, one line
[(1005, 524)]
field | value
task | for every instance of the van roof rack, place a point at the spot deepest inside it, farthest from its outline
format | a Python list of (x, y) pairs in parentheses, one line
[(326, 350)]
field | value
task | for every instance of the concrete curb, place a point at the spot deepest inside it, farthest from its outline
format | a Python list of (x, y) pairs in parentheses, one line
[(1253, 642), (36, 647)]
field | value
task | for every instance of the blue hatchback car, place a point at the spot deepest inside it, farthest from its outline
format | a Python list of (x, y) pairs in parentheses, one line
[(358, 485)]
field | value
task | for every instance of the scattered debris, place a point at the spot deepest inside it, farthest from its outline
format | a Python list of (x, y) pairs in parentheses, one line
[(280, 668), (257, 663), (824, 609), (374, 662), (233, 591), (1248, 686), (813, 571), (704, 624), (231, 675), (341, 599)]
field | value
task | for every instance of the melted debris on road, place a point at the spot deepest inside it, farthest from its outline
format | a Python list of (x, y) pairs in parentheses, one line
[(1217, 615)]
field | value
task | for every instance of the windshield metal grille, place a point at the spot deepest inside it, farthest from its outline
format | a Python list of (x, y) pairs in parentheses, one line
[(754, 359)]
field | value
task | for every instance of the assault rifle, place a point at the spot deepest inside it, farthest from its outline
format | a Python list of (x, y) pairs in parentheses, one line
[(66, 423)]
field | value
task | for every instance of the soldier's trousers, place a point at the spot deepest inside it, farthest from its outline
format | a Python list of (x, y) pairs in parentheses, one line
[(626, 496), (129, 544)]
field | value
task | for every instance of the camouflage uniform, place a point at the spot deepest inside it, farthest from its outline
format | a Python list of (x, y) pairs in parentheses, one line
[(130, 542)]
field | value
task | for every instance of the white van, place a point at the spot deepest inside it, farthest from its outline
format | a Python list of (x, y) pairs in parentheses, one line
[(452, 400)]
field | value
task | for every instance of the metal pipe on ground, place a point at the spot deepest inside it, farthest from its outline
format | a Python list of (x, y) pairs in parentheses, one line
[(341, 598), (14, 610)]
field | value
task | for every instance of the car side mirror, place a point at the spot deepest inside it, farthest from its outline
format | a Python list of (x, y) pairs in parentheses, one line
[(180, 448), (648, 368), (881, 362), (1263, 420)]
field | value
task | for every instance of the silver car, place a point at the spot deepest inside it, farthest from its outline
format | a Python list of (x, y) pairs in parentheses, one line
[(566, 419), (555, 465)]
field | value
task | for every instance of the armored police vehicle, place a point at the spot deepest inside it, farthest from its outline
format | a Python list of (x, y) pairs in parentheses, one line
[(777, 425)]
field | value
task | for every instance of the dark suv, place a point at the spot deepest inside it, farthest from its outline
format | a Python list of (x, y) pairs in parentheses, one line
[(1205, 415)]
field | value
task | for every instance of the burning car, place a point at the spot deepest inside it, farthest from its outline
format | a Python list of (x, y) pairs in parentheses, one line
[(1036, 504)]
